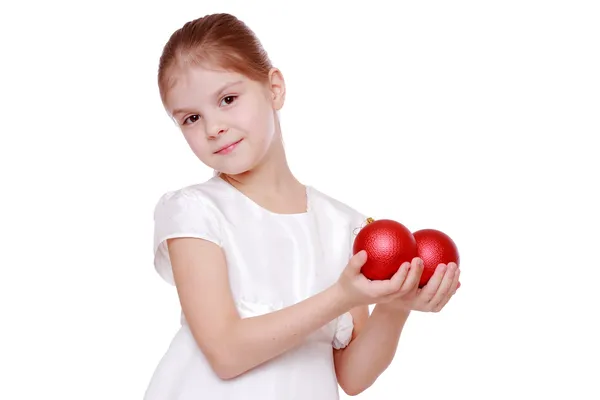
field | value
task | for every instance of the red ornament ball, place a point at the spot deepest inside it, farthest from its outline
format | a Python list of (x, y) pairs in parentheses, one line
[(434, 247), (388, 245)]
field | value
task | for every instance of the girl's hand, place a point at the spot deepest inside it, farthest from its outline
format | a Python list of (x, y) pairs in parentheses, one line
[(359, 290), (434, 295)]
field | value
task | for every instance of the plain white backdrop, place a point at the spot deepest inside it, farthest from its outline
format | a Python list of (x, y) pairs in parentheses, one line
[(477, 118)]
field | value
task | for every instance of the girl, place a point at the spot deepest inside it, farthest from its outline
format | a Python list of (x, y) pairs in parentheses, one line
[(273, 303)]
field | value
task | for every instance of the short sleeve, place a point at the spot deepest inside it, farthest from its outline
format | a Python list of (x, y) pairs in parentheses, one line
[(343, 331), (180, 214)]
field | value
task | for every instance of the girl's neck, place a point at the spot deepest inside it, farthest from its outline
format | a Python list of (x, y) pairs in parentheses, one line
[(270, 180), (272, 176), (272, 183)]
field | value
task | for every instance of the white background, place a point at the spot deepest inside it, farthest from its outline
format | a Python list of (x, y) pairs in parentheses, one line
[(476, 118)]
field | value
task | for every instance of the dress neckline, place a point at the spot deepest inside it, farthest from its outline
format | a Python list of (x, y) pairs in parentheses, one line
[(266, 210)]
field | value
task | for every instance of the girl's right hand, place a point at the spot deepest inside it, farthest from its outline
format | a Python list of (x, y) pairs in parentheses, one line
[(359, 290)]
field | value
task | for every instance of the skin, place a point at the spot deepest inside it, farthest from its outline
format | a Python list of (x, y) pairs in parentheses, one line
[(214, 108)]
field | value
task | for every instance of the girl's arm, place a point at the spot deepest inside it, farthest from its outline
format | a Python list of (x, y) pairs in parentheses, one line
[(372, 348), (375, 338), (234, 345)]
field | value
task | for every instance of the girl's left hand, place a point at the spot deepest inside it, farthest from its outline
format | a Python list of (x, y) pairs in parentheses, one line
[(434, 295)]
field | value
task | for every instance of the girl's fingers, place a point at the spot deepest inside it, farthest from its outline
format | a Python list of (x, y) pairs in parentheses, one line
[(452, 291), (414, 276), (456, 283), (380, 288), (399, 278), (397, 283), (356, 262), (445, 288), (428, 292)]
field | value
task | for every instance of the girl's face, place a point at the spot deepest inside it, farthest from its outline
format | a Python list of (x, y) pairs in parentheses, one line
[(228, 120)]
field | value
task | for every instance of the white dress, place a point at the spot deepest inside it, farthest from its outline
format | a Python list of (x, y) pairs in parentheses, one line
[(274, 261)]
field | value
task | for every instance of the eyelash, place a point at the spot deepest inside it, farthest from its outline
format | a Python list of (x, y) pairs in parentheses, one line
[(233, 98)]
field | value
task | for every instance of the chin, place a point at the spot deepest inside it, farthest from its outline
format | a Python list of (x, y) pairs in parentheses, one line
[(235, 168), (237, 163)]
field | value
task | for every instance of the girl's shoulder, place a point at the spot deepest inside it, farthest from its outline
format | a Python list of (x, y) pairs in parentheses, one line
[(190, 211), (203, 195), (333, 205)]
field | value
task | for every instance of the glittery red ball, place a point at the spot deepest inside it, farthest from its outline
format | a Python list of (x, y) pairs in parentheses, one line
[(388, 244), (434, 248)]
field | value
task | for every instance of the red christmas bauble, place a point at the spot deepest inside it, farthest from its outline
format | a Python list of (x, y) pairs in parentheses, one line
[(434, 247), (388, 245)]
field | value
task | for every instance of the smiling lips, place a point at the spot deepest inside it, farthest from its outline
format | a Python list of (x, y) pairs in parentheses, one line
[(228, 148)]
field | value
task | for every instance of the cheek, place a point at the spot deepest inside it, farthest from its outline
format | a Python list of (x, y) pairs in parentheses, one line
[(196, 142), (260, 123)]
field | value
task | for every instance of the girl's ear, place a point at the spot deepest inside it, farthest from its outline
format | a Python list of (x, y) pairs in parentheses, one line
[(277, 88)]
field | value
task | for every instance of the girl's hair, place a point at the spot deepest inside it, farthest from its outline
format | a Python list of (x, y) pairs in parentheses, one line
[(219, 40)]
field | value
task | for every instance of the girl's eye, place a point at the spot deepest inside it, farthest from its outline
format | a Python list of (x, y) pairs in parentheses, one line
[(228, 100), (191, 119)]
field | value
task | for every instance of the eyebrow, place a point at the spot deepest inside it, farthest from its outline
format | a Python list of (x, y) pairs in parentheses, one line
[(227, 86), (217, 93)]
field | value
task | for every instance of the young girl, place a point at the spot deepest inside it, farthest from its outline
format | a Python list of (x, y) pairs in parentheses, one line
[(273, 303)]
